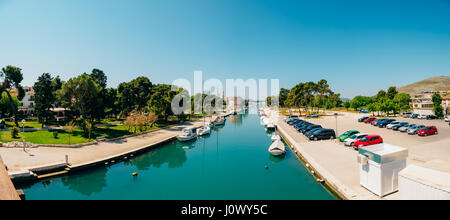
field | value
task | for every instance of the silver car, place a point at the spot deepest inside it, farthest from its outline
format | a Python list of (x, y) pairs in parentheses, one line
[(405, 128), (414, 130)]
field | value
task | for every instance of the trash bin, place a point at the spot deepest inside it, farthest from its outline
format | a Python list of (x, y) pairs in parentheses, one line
[(379, 167)]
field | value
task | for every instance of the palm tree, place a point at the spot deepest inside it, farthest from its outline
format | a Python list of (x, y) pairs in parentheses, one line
[(69, 127)]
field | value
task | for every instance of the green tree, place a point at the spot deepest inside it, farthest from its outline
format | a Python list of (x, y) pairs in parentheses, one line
[(360, 101), (82, 96), (100, 77), (5, 105), (135, 94), (12, 77), (380, 95), (392, 91), (44, 98), (402, 101), (347, 105), (161, 101), (283, 96), (437, 108)]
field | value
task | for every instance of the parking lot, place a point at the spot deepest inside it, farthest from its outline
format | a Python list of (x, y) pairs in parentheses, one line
[(338, 163), (432, 150)]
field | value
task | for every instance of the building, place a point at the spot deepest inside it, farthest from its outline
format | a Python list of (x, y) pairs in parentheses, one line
[(422, 103), (27, 104), (446, 103)]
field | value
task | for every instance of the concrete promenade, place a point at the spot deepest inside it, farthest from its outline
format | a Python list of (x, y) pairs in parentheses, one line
[(7, 189), (19, 161)]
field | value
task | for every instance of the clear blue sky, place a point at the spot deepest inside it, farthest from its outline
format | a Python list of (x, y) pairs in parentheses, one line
[(359, 46)]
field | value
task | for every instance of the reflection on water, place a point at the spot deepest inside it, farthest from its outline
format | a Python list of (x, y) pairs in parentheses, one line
[(86, 183), (236, 119), (173, 155), (276, 159)]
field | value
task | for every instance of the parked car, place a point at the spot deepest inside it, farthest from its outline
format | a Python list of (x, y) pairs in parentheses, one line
[(447, 119), (363, 111), (312, 116), (290, 118), (362, 119), (347, 135), (354, 138), (430, 117), (407, 114), (375, 122), (293, 121), (415, 129), (422, 116), (389, 126), (401, 124), (369, 120), (430, 130), (302, 127), (385, 122), (309, 133), (323, 134), (415, 116), (367, 141), (405, 128), (308, 128), (301, 123)]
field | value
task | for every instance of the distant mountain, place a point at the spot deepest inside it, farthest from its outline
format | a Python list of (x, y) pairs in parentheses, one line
[(441, 83)]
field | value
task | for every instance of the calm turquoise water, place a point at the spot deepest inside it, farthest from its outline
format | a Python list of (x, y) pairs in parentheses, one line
[(229, 164)]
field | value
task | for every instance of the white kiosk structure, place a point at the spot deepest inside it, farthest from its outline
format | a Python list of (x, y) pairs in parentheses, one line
[(379, 167)]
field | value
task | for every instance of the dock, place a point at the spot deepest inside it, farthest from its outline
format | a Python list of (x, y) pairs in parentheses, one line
[(7, 189)]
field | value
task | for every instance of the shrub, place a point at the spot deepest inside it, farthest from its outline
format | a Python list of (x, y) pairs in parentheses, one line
[(15, 132)]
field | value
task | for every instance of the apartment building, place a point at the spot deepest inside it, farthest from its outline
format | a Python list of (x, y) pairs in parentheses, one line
[(422, 103)]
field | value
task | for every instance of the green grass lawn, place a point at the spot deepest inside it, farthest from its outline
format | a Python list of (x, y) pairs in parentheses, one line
[(46, 137), (28, 124)]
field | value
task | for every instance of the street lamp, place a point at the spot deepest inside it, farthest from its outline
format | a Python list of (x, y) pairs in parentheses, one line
[(336, 116), (23, 133)]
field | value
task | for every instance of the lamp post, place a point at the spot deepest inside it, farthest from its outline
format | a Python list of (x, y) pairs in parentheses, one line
[(23, 133), (336, 117)]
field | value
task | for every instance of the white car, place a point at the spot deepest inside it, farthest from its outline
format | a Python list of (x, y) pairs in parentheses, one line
[(422, 117), (447, 119), (389, 126), (354, 138)]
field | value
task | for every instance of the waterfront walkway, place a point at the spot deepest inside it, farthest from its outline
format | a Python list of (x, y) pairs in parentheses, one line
[(19, 161), (7, 189)]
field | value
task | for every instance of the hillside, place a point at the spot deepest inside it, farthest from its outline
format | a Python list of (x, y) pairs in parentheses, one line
[(441, 83)]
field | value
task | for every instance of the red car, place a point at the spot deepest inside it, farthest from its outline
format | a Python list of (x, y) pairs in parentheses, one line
[(369, 120), (430, 130), (367, 141)]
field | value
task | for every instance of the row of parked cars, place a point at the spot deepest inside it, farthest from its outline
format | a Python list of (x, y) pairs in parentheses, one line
[(357, 140), (312, 131), (419, 116), (395, 125)]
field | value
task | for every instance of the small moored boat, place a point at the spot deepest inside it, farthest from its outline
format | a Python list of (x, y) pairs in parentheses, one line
[(277, 148), (203, 130), (275, 137), (187, 134)]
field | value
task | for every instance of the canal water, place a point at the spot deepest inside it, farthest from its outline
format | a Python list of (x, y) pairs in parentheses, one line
[(229, 164)]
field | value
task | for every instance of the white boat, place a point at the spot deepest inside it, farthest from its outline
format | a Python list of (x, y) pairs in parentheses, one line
[(208, 124), (275, 137), (219, 121), (277, 148), (271, 126), (204, 130), (187, 134)]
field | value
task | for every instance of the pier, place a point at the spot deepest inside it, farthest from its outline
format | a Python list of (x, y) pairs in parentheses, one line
[(7, 189)]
